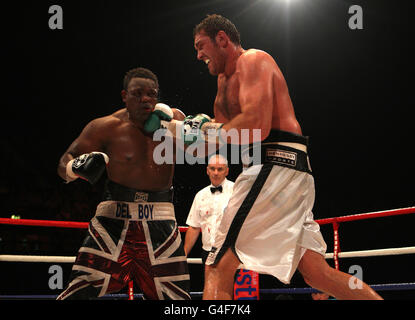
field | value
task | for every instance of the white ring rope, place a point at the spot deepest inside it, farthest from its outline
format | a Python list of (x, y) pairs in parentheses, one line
[(373, 253), (349, 254)]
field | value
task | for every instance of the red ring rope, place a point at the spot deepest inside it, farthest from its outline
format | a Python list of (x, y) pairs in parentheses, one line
[(84, 225), (51, 223), (370, 215)]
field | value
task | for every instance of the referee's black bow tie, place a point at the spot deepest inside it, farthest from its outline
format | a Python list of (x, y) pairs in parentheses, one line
[(214, 189)]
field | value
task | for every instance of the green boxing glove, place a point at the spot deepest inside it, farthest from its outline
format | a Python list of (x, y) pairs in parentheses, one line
[(192, 128), (161, 112)]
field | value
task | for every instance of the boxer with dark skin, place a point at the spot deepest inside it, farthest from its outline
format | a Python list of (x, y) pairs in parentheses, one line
[(123, 243), (121, 136), (252, 94)]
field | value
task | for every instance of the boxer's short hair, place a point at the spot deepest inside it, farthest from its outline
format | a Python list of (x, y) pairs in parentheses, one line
[(214, 23), (139, 73)]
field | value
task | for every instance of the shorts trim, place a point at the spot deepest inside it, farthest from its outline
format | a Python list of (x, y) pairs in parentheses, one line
[(242, 213)]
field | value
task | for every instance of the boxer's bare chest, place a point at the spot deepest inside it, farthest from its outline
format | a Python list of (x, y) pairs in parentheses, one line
[(132, 161), (227, 98), (130, 145)]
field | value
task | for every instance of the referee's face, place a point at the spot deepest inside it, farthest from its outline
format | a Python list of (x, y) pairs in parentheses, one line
[(217, 172)]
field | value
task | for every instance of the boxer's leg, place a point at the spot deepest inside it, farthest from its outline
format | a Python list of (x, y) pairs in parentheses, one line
[(219, 278), (88, 282), (319, 275), (161, 267), (79, 290), (95, 267)]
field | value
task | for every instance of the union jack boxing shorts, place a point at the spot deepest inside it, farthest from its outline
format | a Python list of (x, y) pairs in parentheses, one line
[(126, 241)]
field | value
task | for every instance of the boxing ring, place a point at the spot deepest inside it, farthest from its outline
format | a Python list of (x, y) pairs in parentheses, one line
[(336, 255)]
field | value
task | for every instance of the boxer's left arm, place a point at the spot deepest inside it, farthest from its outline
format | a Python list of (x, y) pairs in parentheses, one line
[(164, 117), (190, 129), (178, 119)]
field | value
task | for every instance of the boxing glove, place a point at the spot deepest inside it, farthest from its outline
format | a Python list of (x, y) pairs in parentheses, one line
[(88, 166), (192, 126), (161, 112)]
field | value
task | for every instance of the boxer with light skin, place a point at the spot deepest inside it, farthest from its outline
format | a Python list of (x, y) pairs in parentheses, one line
[(252, 93)]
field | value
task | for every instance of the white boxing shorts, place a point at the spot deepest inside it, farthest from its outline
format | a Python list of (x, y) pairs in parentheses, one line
[(268, 222)]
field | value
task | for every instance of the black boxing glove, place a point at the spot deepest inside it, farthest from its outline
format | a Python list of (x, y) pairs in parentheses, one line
[(89, 166)]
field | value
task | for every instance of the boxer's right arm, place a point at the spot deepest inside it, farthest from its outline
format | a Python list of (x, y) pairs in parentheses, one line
[(189, 129), (78, 161), (88, 166)]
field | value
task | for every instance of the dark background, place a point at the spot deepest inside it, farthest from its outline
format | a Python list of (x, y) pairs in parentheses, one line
[(352, 91)]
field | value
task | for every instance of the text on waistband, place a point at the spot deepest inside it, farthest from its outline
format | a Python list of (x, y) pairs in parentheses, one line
[(281, 156), (145, 211)]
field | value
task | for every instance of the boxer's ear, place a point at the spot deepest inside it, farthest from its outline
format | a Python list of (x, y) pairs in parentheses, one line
[(123, 95), (222, 39)]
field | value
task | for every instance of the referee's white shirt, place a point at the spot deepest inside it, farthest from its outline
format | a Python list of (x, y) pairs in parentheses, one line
[(207, 210)]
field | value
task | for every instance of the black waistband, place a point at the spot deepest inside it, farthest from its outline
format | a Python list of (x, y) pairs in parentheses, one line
[(285, 136), (117, 192), (285, 156), (273, 153)]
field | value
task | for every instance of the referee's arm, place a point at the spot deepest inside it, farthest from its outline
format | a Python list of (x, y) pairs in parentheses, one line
[(192, 234)]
